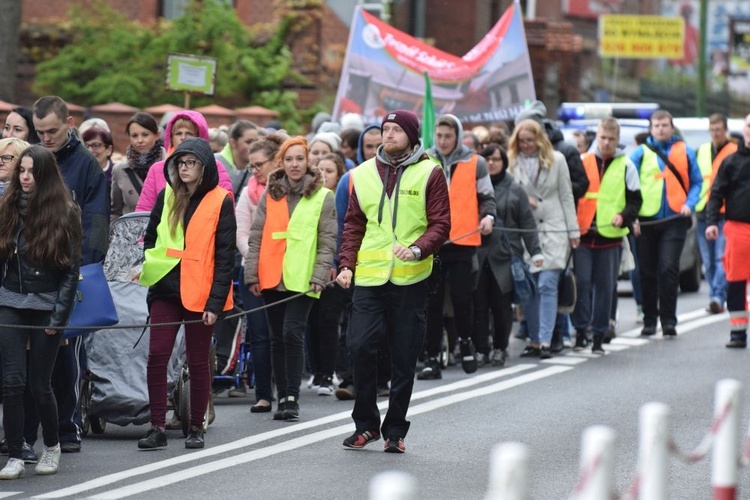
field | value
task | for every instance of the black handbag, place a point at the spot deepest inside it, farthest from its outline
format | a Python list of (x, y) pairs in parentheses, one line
[(566, 289)]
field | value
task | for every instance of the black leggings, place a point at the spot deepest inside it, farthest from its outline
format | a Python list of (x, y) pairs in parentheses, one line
[(488, 296)]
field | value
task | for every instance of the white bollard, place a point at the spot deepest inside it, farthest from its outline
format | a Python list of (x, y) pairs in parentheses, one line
[(726, 449), (653, 451), (597, 470), (393, 485), (509, 472)]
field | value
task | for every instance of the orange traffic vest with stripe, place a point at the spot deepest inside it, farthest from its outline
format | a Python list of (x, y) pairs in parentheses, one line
[(709, 169), (462, 193), (289, 245), (653, 179), (193, 249), (605, 197)]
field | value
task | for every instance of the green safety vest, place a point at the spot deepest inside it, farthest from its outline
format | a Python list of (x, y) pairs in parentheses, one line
[(376, 263), (157, 263), (609, 200), (703, 157)]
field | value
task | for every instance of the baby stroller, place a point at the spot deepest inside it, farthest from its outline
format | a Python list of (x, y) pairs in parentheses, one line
[(114, 388)]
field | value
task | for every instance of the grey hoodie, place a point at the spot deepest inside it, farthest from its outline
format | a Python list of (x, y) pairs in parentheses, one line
[(485, 191)]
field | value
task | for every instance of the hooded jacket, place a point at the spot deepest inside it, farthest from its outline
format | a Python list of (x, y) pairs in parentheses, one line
[(85, 179), (437, 208), (277, 187), (485, 191), (169, 286), (155, 181)]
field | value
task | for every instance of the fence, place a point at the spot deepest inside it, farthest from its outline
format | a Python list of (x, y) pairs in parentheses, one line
[(509, 463)]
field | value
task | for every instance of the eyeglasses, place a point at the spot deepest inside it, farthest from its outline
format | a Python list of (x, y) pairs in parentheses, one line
[(190, 164), (259, 165), (7, 158), (94, 145)]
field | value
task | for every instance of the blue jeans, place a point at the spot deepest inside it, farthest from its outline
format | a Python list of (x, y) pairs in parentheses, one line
[(541, 311), (260, 343), (596, 275), (712, 255)]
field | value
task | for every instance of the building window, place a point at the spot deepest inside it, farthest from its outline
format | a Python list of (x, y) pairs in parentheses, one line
[(170, 9)]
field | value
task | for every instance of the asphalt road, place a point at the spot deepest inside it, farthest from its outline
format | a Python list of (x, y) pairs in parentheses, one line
[(455, 423)]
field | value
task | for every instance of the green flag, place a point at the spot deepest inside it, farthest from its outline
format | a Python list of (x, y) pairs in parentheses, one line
[(428, 114)]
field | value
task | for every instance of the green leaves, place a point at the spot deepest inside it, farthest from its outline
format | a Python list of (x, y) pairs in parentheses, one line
[(114, 59)]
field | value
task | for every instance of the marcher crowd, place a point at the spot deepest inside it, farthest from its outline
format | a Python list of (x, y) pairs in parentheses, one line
[(371, 253)]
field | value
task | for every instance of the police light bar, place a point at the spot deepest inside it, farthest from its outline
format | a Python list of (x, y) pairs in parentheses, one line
[(597, 110)]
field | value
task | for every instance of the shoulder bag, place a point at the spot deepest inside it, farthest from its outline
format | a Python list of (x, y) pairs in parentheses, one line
[(566, 289), (93, 304)]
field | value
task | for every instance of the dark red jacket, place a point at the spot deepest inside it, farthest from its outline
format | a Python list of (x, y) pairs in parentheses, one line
[(438, 217)]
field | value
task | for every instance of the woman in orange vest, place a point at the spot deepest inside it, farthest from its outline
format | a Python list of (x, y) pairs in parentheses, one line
[(189, 259), (291, 251)]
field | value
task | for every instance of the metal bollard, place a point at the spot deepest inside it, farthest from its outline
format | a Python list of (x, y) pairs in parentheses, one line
[(597, 472), (726, 449), (509, 472), (393, 485), (653, 451)]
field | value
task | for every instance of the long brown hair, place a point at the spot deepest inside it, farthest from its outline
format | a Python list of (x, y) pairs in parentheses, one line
[(47, 229), (182, 196)]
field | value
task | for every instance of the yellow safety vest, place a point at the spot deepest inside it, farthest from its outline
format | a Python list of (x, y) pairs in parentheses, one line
[(605, 198), (376, 263), (709, 169)]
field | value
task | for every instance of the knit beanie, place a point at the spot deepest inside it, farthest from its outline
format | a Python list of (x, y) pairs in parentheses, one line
[(536, 111), (333, 141), (407, 120)]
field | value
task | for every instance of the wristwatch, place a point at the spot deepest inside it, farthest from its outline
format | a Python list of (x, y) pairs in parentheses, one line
[(416, 251)]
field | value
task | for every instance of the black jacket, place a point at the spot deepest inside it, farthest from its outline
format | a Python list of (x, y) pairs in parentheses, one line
[(169, 286), (578, 179), (23, 276), (732, 185)]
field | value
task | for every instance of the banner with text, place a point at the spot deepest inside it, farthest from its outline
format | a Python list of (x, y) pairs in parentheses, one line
[(384, 70)]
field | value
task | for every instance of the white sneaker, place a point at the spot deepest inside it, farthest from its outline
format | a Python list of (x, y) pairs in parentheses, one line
[(311, 382), (49, 462), (13, 469)]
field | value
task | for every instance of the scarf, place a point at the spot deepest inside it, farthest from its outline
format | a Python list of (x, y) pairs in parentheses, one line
[(498, 178), (395, 160), (141, 162), (255, 190), (529, 164)]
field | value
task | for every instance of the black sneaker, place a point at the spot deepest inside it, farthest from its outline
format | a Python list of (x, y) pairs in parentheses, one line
[(648, 331), (326, 386), (581, 341), (610, 333), (597, 347), (431, 371), (737, 344), (194, 438), (291, 411), (669, 331), (468, 356), (156, 439), (394, 445), (544, 352), (359, 440), (28, 454), (530, 352), (279, 413)]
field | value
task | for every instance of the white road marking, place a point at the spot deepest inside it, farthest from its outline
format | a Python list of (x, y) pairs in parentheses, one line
[(616, 347), (266, 436), (629, 342), (564, 360), (9, 493), (207, 468)]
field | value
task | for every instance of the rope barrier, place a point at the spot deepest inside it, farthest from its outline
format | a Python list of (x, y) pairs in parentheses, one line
[(700, 452), (169, 323)]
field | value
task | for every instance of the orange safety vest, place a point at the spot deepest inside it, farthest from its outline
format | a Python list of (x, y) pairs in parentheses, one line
[(728, 149), (677, 188), (587, 206), (272, 250), (197, 259), (464, 205)]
